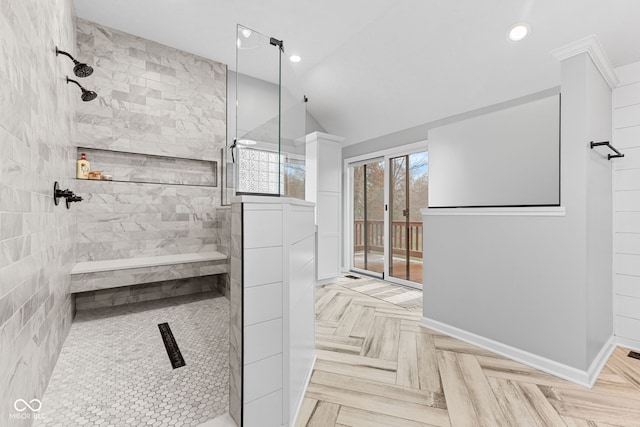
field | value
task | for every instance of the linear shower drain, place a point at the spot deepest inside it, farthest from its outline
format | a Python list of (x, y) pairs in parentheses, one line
[(170, 344)]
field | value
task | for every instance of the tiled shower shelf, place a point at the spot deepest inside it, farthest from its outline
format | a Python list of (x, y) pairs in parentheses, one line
[(146, 182), (154, 261), (142, 168), (109, 274)]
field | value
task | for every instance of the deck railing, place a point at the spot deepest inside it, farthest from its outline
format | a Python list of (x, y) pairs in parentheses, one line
[(400, 232)]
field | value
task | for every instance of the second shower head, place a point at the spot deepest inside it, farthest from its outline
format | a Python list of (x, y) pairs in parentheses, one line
[(87, 95), (80, 69)]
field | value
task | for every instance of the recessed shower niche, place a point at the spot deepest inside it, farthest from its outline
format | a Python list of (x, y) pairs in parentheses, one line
[(152, 168)]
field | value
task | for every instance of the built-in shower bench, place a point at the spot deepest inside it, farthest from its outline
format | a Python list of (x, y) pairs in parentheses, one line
[(114, 273)]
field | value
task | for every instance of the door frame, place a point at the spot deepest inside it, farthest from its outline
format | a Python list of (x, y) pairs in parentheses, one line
[(349, 174), (347, 261)]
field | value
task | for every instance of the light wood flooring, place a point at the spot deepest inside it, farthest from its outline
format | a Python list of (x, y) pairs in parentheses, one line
[(377, 366), (402, 296)]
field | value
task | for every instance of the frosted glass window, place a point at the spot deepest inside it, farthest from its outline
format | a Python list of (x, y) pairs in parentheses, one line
[(258, 171)]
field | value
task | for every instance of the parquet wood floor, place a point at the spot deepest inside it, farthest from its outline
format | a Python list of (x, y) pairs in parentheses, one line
[(377, 366)]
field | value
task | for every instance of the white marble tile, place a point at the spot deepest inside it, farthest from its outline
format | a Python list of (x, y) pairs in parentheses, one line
[(114, 367), (122, 264), (37, 129), (134, 112)]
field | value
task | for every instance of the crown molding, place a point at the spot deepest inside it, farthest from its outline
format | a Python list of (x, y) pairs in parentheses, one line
[(592, 46), (325, 137)]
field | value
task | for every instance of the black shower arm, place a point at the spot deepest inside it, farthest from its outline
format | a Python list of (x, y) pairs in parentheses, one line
[(71, 80), (58, 51)]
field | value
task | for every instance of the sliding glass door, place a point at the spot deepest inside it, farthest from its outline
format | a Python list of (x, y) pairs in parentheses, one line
[(408, 193), (368, 217), (387, 195)]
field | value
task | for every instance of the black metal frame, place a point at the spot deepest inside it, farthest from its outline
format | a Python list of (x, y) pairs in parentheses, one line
[(607, 144)]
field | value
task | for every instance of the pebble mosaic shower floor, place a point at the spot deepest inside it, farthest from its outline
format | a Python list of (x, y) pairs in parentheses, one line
[(114, 370)]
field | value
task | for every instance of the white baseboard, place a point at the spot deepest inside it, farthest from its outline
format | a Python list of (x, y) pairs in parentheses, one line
[(325, 281), (304, 391), (601, 360), (585, 378), (628, 343)]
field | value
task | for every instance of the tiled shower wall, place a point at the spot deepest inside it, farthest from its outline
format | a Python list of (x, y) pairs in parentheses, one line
[(153, 100), (37, 125)]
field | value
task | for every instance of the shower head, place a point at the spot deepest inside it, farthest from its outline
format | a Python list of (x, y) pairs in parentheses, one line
[(87, 95), (80, 69)]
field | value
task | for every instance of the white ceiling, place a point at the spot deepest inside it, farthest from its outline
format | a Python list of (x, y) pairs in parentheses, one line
[(373, 67)]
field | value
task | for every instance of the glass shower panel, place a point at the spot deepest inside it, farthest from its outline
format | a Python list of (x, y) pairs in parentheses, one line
[(266, 147), (255, 151), (293, 113)]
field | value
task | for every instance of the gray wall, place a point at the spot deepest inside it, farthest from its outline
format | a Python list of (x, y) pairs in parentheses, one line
[(153, 99), (599, 214), (37, 125), (533, 282), (261, 109), (467, 164), (420, 133)]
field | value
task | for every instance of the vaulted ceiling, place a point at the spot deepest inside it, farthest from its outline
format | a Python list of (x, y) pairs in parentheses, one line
[(374, 67)]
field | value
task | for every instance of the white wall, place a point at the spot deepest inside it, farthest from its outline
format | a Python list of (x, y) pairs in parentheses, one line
[(626, 225), (273, 288), (323, 185), (300, 321), (522, 281)]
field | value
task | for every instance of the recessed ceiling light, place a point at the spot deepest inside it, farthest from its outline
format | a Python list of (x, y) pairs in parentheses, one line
[(295, 58), (518, 31), (246, 32)]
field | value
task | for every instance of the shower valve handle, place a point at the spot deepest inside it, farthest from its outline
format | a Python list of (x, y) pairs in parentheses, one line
[(58, 193), (68, 195), (73, 198)]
